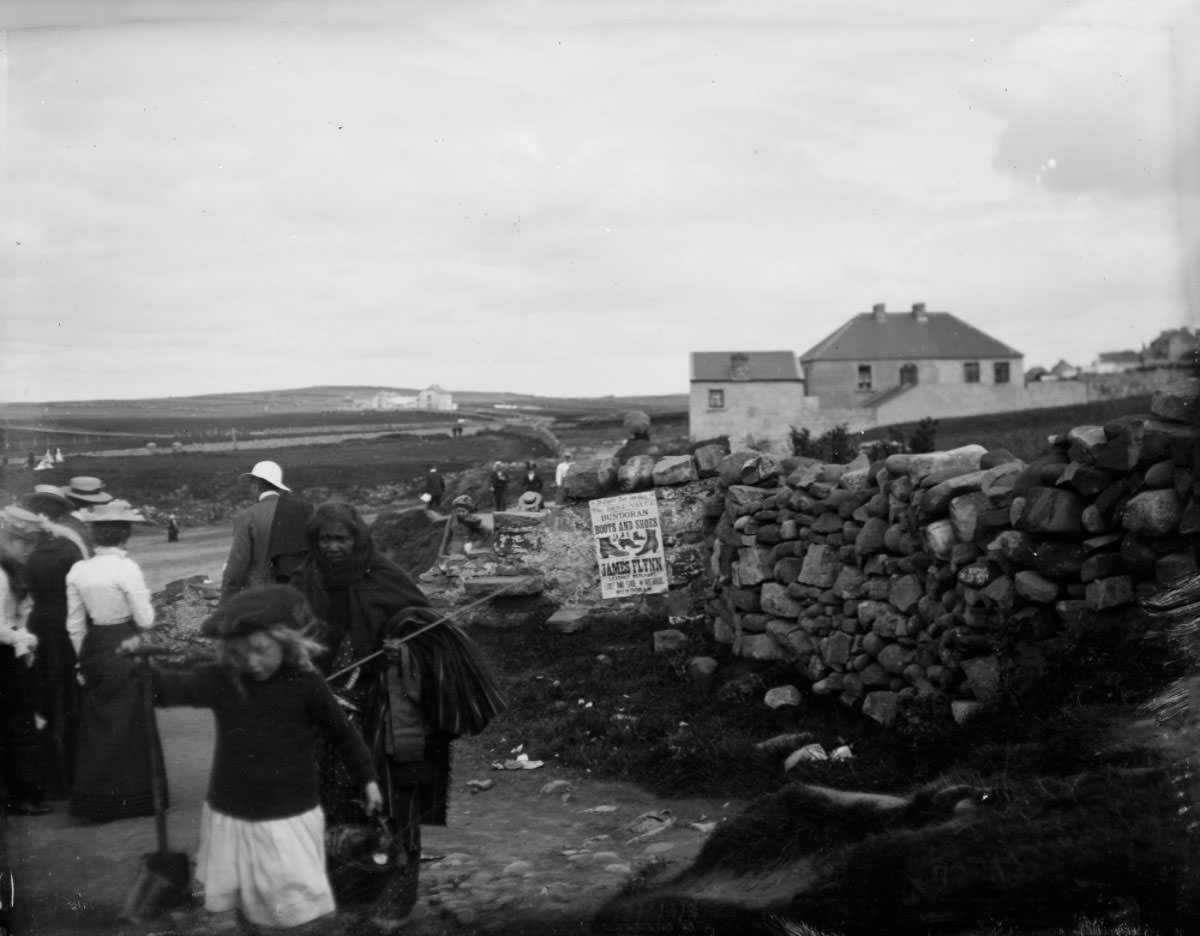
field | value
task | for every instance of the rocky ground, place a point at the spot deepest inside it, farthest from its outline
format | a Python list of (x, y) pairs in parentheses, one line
[(525, 847)]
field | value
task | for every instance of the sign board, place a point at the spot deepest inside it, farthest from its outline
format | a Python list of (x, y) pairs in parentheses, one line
[(629, 545)]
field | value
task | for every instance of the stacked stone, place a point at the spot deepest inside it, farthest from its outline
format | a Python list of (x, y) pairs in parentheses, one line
[(947, 576)]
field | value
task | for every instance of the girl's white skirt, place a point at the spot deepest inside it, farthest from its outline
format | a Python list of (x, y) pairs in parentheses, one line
[(273, 871)]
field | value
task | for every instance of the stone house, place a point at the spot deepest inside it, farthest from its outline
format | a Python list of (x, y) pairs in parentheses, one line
[(749, 396), (1173, 346), (435, 398), (879, 354), (1117, 362)]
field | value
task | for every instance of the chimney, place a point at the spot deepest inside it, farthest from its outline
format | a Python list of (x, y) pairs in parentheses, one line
[(918, 312), (880, 312), (739, 366)]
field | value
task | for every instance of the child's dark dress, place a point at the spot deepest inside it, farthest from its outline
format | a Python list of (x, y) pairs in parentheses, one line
[(262, 844)]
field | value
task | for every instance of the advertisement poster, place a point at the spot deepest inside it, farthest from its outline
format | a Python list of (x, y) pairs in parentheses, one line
[(629, 545)]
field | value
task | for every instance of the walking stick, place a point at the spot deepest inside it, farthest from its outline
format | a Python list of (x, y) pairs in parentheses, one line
[(442, 620), (165, 877)]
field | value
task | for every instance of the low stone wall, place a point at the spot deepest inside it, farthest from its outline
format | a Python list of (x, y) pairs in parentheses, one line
[(949, 577), (952, 576)]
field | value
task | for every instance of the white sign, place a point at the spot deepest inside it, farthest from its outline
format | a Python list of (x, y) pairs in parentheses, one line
[(629, 545)]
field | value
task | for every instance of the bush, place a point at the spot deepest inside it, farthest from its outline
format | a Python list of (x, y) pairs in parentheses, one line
[(835, 446), (924, 437)]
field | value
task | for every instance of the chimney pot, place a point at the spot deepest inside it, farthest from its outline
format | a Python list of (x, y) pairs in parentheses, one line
[(918, 312), (880, 312)]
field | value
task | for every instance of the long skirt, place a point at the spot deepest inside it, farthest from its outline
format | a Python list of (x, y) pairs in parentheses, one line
[(112, 761), (21, 770), (272, 870), (57, 692)]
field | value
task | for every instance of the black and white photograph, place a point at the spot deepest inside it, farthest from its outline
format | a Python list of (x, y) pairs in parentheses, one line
[(486, 467)]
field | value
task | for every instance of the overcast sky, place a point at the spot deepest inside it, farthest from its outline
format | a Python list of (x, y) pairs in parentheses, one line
[(567, 197)]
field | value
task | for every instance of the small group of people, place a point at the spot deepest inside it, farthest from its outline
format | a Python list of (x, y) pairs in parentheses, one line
[(336, 688), (531, 484), (66, 575), (49, 460)]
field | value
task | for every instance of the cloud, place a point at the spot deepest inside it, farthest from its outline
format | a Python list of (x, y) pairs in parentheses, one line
[(540, 196), (1096, 100)]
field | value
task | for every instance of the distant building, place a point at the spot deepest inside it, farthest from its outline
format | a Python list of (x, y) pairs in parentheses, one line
[(391, 399), (745, 395), (1116, 362), (1064, 371), (1173, 346), (879, 354), (435, 398)]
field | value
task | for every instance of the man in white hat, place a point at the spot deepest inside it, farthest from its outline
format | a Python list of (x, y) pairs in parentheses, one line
[(268, 537)]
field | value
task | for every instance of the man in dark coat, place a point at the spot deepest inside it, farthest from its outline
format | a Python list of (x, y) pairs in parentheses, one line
[(435, 487), (268, 537), (498, 481)]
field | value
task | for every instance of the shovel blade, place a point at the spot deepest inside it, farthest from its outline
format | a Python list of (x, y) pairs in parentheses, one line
[(164, 883)]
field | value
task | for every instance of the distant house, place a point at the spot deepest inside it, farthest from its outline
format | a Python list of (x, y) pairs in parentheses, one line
[(1173, 346), (879, 354), (1064, 371), (1116, 362), (749, 396), (391, 399), (435, 398)]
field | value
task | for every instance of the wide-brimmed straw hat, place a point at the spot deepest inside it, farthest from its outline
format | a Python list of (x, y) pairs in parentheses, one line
[(530, 500), (117, 511), (18, 522), (268, 471), (87, 490), (45, 498), (257, 609)]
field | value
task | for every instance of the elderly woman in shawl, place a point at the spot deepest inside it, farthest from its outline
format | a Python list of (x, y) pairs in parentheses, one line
[(409, 687)]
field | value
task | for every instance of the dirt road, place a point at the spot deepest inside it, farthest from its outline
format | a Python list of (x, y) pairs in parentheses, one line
[(199, 550), (542, 843)]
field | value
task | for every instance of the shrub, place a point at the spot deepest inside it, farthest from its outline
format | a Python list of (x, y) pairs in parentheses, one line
[(924, 437)]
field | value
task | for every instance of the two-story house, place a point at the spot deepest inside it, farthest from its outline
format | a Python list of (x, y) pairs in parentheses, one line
[(880, 353)]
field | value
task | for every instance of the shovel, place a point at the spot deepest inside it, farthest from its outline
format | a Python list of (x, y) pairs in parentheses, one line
[(165, 879)]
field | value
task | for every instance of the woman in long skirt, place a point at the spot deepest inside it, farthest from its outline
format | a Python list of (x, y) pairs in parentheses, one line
[(107, 603)]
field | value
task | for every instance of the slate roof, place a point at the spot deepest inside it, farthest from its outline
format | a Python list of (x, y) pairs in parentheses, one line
[(758, 365), (901, 336), (1120, 357)]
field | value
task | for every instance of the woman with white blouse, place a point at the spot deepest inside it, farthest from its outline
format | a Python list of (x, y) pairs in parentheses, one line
[(107, 603)]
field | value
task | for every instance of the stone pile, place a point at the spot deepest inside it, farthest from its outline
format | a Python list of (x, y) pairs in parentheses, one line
[(953, 576)]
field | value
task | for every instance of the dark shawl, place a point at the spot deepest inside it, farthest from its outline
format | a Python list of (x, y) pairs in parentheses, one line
[(459, 695)]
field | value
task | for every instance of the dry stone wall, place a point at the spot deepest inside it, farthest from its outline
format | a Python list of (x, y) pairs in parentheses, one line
[(950, 577)]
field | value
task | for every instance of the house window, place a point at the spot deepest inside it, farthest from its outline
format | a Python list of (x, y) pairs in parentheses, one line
[(971, 372), (1000, 372), (864, 376), (908, 375), (716, 399)]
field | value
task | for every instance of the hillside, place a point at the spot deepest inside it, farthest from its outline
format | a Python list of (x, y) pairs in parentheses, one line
[(322, 399), (309, 410)]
